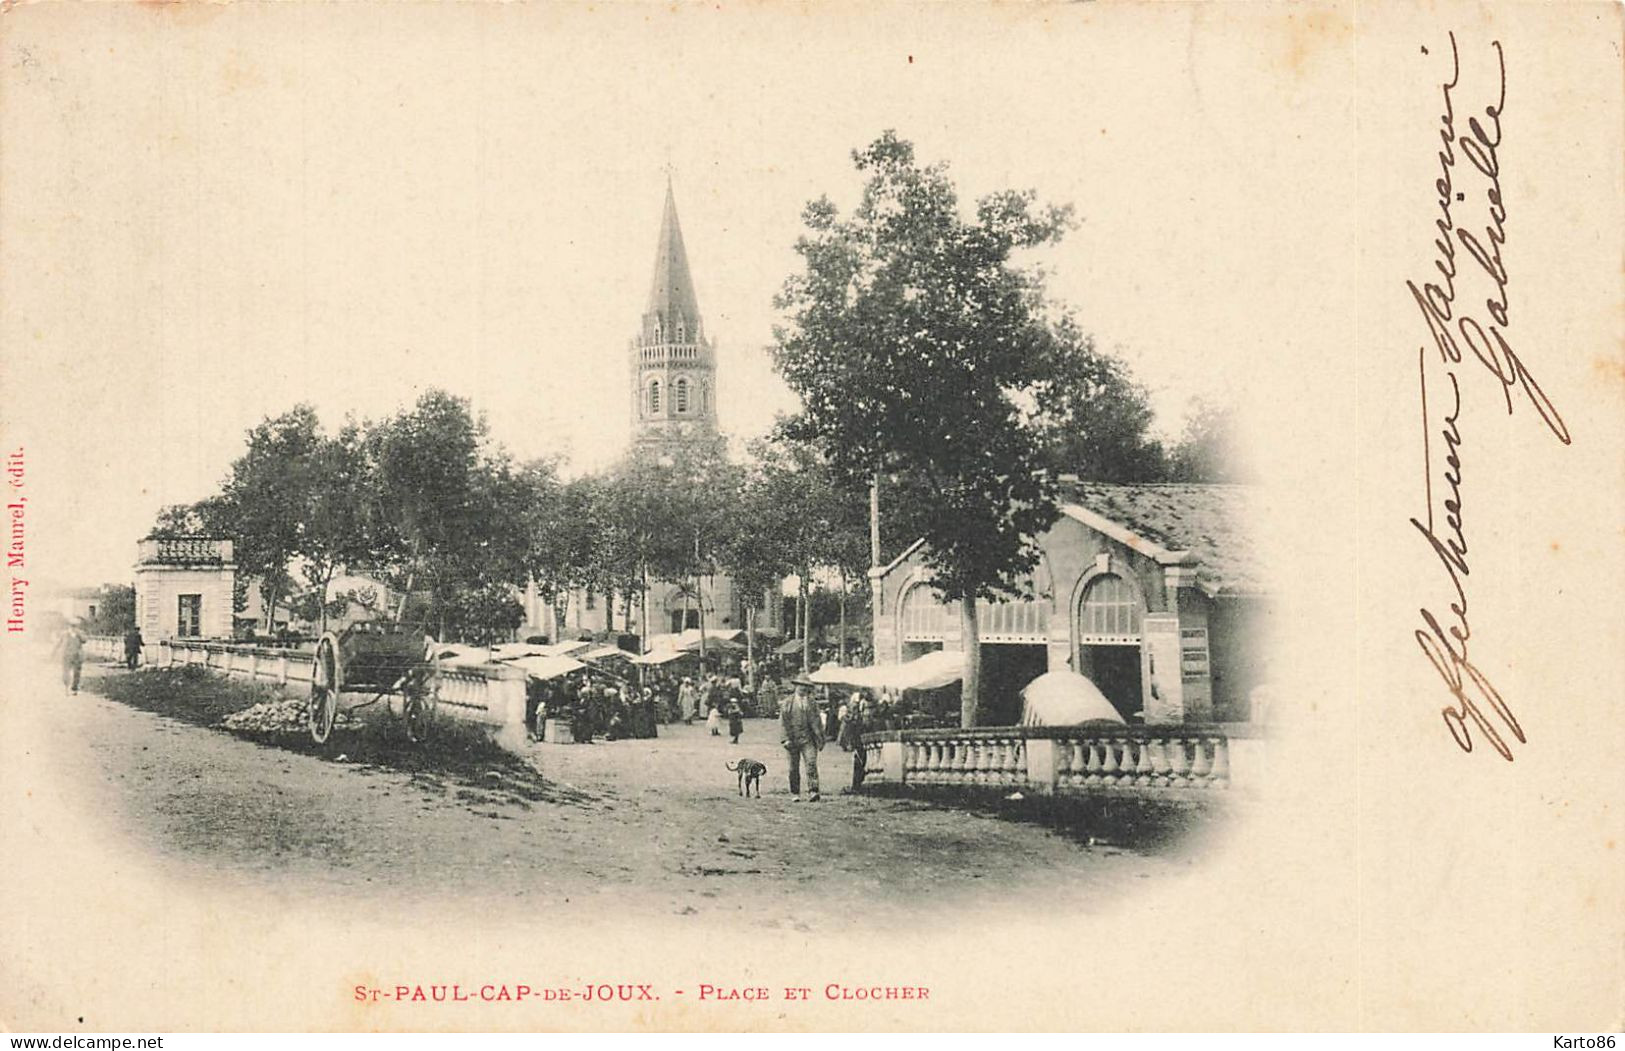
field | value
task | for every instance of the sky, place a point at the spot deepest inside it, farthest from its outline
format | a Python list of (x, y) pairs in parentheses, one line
[(221, 212)]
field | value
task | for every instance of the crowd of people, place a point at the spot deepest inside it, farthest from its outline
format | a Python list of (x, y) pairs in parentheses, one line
[(600, 705)]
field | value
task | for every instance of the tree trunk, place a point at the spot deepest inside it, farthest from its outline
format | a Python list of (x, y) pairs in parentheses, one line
[(327, 582), (560, 602), (874, 521), (750, 648), (843, 617), (643, 611), (971, 688), (269, 595), (806, 625), (400, 610), (699, 596)]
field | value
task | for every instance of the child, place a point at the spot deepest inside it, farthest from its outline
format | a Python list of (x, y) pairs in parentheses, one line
[(736, 720), (713, 722)]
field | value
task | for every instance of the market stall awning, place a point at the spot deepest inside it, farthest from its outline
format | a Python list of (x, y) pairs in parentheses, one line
[(1065, 698), (788, 648), (543, 668), (717, 644), (660, 657), (923, 673), (456, 654), (604, 653), (508, 651), (833, 674)]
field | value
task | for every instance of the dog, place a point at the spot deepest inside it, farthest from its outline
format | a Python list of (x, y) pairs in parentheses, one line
[(750, 773)]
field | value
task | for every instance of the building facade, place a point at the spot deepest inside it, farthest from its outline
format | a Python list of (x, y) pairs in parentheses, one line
[(184, 588), (1150, 591)]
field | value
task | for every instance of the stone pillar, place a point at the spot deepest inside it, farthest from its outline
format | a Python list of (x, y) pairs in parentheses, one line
[(1059, 645), (1161, 690), (1195, 661), (1042, 764), (891, 761)]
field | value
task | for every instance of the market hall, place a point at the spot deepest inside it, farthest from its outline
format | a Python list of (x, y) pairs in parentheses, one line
[(1151, 591)]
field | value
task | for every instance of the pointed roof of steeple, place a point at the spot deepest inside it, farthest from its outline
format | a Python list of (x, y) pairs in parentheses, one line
[(671, 295)]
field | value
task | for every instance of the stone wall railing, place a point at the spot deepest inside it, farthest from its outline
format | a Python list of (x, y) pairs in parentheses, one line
[(104, 648), (184, 550), (490, 694), (1067, 760)]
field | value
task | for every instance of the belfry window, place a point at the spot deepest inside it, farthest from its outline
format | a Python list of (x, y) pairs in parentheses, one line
[(654, 396), (682, 395)]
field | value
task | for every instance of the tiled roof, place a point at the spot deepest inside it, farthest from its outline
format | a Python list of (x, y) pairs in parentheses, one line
[(1212, 522)]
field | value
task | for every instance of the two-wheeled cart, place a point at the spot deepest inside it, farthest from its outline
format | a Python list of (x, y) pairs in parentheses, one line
[(382, 658)]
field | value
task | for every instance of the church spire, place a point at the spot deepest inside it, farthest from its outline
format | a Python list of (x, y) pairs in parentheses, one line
[(672, 305), (673, 363)]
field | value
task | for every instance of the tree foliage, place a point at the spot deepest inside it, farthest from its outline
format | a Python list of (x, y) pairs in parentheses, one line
[(1208, 449), (919, 348), (115, 610), (1092, 418)]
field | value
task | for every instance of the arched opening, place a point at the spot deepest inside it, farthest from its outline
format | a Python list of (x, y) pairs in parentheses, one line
[(682, 395), (1109, 635), (654, 396), (922, 621)]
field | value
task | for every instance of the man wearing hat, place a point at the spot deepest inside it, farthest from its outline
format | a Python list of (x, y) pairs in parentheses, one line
[(803, 737)]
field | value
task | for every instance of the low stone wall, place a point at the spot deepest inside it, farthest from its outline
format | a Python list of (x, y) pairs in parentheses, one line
[(492, 695), (1160, 761), (105, 648)]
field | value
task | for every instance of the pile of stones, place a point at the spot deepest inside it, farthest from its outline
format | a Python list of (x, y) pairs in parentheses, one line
[(282, 715)]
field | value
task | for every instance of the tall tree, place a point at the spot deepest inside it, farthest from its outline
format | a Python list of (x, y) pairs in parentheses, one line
[(1092, 417), (266, 497), (563, 528), (670, 515), (341, 524), (917, 347), (452, 502), (1208, 451)]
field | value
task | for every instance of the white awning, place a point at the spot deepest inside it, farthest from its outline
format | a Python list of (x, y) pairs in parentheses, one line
[(929, 672), (514, 650), (603, 653), (544, 667), (456, 654), (660, 657)]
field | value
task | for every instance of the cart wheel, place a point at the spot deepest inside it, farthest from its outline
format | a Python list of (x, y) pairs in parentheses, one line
[(324, 692), (418, 708)]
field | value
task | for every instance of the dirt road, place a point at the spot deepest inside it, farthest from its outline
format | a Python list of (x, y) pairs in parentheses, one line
[(628, 826)]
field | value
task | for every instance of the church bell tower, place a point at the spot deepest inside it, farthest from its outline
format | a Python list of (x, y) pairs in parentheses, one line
[(673, 364)]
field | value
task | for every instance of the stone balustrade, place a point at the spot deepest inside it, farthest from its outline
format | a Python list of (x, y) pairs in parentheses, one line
[(105, 648), (1065, 760), (982, 759), (490, 694)]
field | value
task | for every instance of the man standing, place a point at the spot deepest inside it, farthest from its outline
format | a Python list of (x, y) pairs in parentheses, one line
[(803, 737), (685, 700), (767, 698), (73, 658), (132, 647)]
